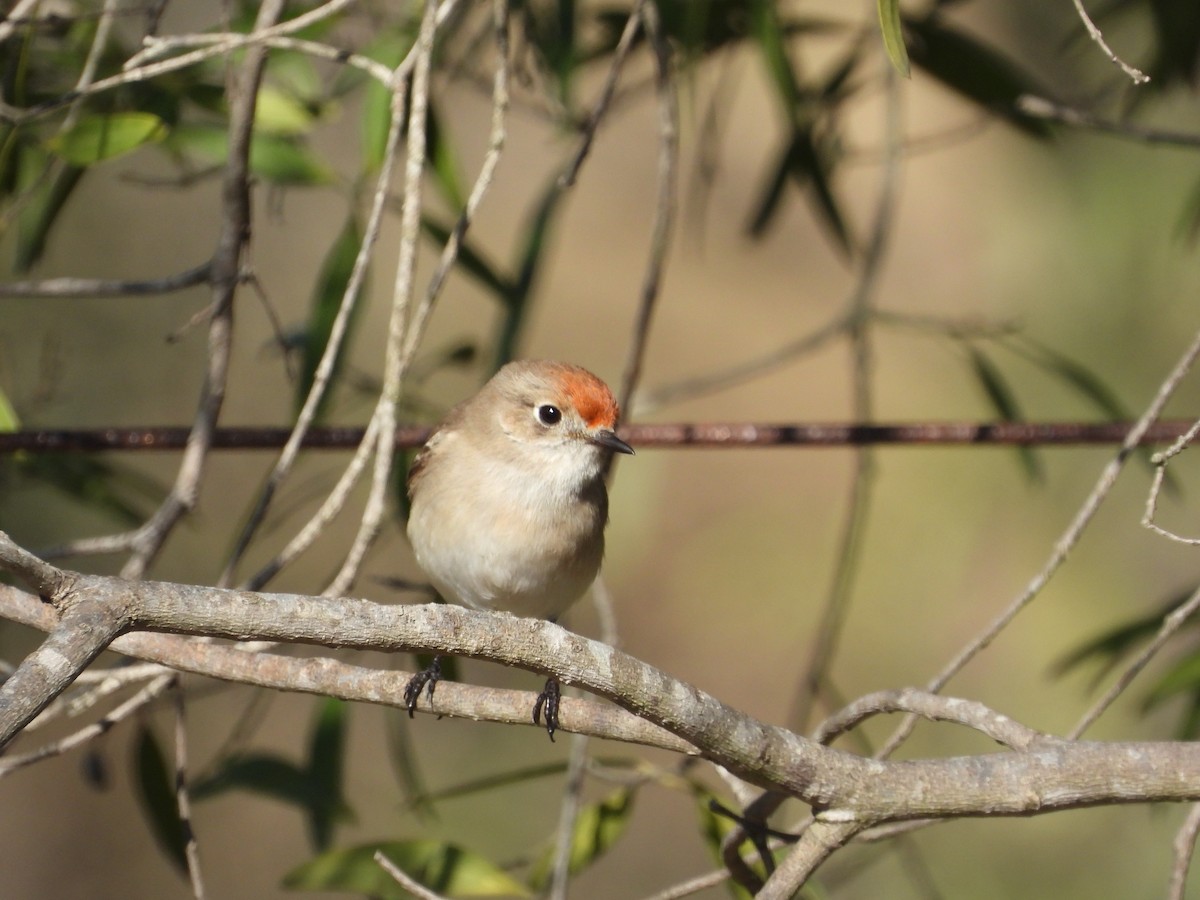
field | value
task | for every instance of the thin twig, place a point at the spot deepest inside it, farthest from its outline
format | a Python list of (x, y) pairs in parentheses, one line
[(1169, 628), (1135, 75), (1065, 543), (119, 713), (592, 123), (1160, 461), (1184, 846), (78, 288), (665, 205), (970, 713), (692, 886), (402, 293), (182, 797), (858, 316), (334, 346), (405, 881), (148, 540), (1041, 108)]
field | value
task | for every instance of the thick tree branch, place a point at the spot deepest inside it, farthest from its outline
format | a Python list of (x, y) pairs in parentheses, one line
[(842, 787)]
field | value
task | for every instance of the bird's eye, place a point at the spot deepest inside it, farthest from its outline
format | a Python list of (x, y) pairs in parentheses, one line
[(548, 414)]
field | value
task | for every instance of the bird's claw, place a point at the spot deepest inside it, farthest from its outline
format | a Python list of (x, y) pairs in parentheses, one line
[(548, 701), (427, 678)]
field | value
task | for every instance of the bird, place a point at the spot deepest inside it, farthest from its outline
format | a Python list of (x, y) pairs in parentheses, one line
[(508, 502)]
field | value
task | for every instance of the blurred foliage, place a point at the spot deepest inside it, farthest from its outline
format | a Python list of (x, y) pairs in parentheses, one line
[(819, 68)]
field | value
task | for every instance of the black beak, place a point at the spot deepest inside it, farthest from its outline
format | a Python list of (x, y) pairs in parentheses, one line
[(607, 438)]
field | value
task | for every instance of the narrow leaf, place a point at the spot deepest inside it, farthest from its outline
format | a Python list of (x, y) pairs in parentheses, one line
[(327, 771), (975, 70), (328, 295), (893, 35), (277, 112), (772, 44), (473, 263), (38, 216), (99, 137), (1004, 403), (155, 781), (262, 774), (9, 420), (444, 868)]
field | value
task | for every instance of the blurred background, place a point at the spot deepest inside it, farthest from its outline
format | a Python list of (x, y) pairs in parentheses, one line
[(719, 561)]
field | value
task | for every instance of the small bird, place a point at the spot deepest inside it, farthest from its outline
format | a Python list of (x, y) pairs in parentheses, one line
[(508, 501)]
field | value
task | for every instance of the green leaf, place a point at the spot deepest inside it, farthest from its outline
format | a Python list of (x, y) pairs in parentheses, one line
[(281, 113), (285, 162), (1089, 385), (772, 44), (155, 782), (893, 35), (975, 70), (597, 827), (96, 138), (9, 421), (805, 163), (326, 759), (444, 868), (39, 214), (326, 302), (316, 788), (1004, 403), (273, 157)]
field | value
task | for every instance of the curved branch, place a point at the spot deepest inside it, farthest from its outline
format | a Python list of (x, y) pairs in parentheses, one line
[(844, 789)]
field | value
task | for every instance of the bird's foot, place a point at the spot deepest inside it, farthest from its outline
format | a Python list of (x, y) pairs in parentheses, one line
[(548, 700), (427, 678)]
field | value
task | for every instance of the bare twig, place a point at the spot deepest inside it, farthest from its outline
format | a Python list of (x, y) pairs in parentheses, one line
[(1169, 628), (148, 694), (59, 288), (1184, 846), (1050, 111), (148, 540), (847, 788), (970, 713), (405, 881), (402, 293), (182, 797), (1069, 538), (665, 205), (620, 52), (1161, 461), (816, 844), (1135, 75)]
